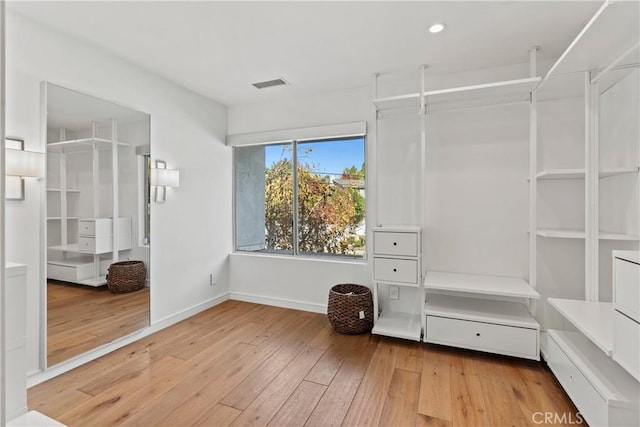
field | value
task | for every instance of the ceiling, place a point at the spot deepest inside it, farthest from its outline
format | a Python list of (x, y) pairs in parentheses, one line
[(219, 48)]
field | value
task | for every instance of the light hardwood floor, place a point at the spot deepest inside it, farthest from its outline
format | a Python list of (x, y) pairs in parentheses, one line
[(248, 364), (81, 318)]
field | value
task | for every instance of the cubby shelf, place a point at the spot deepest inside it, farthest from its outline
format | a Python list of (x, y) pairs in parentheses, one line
[(580, 234), (593, 319), (480, 284), (68, 190), (548, 174)]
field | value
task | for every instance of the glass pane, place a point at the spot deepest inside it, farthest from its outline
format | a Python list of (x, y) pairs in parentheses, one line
[(264, 198), (331, 197)]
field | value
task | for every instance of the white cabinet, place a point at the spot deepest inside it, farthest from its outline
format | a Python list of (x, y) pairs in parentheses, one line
[(15, 353), (95, 235), (397, 262), (626, 322), (484, 313)]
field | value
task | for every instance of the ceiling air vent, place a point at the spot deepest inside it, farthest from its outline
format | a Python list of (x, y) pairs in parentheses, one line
[(269, 83)]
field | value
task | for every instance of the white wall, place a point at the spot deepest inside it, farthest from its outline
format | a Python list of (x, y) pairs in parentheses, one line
[(191, 233)]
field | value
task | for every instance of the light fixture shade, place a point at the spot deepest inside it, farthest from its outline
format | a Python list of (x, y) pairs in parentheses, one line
[(24, 163), (165, 177)]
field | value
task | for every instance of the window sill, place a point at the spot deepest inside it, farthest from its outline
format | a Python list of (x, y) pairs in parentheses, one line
[(316, 258)]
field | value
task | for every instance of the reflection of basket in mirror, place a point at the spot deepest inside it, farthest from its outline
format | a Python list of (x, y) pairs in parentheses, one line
[(126, 276), (350, 309)]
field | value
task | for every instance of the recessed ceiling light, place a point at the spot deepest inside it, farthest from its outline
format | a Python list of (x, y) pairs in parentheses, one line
[(437, 27)]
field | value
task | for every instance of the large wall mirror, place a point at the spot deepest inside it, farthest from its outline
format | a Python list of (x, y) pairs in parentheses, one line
[(97, 209)]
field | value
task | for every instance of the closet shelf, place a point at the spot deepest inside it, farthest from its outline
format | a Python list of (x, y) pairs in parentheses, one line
[(480, 284), (464, 96), (580, 234), (561, 233), (617, 236), (57, 190), (58, 218), (480, 310), (399, 325), (549, 174), (615, 24), (72, 248), (593, 319)]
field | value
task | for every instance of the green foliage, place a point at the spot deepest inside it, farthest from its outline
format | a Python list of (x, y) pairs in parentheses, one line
[(328, 214)]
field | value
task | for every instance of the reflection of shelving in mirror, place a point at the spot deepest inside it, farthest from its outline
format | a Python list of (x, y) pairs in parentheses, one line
[(85, 148)]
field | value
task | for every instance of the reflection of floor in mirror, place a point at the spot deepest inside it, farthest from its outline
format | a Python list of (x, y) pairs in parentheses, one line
[(81, 318)]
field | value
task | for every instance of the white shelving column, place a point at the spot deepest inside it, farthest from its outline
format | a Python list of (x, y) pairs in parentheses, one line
[(533, 170), (114, 189)]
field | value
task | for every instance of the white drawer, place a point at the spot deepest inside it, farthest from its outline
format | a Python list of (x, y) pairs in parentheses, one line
[(626, 343), (62, 272), (395, 270), (626, 289), (509, 340), (101, 245), (102, 227), (586, 398), (394, 243)]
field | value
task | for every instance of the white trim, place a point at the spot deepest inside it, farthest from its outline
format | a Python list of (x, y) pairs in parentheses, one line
[(279, 302), (73, 363), (340, 130)]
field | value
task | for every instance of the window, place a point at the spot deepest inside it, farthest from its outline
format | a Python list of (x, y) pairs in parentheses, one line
[(304, 197)]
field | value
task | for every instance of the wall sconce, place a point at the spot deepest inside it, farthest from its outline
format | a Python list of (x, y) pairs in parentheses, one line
[(20, 164), (161, 178)]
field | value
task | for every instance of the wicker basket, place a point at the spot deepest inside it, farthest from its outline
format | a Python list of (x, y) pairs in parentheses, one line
[(126, 276), (350, 309)]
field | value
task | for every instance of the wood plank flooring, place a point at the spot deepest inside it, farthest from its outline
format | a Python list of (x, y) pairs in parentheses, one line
[(81, 318), (247, 364)]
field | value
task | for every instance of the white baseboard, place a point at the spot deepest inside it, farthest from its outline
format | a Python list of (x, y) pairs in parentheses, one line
[(279, 302), (158, 325)]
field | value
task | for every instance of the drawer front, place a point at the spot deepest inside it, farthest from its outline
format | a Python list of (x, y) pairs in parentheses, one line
[(488, 337), (395, 270), (393, 243), (101, 245), (94, 245), (86, 227), (590, 404), (102, 227), (626, 291), (62, 272), (626, 343)]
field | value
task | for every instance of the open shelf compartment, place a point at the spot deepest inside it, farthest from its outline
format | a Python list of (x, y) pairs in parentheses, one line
[(480, 284), (593, 319)]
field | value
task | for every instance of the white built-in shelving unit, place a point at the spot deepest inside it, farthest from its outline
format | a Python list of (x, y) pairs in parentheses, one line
[(453, 300), (397, 260), (603, 58), (69, 260), (472, 302)]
